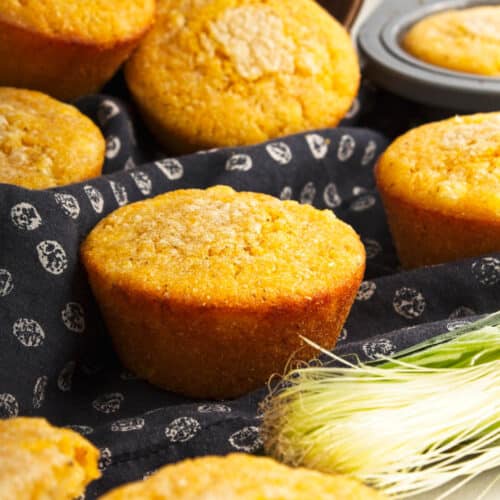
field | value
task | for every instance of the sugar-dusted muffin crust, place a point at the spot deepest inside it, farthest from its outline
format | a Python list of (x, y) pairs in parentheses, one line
[(206, 292), (42, 462), (465, 40), (440, 184), (229, 72), (68, 48), (45, 143), (242, 477)]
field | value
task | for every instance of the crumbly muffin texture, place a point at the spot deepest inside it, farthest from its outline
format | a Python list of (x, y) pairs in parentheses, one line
[(241, 477), (465, 40), (440, 184), (452, 165), (207, 292), (68, 48), (98, 21), (230, 72), (245, 249), (42, 462), (45, 143)]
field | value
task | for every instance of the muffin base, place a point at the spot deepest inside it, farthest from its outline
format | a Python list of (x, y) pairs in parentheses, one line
[(61, 67), (217, 352), (425, 237)]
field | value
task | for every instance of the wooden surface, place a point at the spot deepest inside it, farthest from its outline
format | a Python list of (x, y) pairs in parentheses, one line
[(344, 10)]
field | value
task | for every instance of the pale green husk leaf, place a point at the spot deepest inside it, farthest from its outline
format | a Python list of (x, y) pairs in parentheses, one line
[(404, 425)]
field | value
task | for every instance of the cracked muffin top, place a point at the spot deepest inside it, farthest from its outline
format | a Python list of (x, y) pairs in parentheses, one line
[(243, 477), (230, 72), (98, 21), (452, 166), (218, 247), (45, 143), (40, 461), (465, 40)]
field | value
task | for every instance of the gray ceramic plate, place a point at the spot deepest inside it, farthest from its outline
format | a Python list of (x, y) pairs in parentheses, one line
[(391, 67)]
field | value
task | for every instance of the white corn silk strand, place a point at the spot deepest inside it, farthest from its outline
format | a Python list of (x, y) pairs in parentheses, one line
[(400, 427)]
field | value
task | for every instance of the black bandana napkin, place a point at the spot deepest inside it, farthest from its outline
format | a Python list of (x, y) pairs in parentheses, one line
[(56, 360)]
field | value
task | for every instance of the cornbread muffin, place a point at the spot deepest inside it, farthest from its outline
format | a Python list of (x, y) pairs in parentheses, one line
[(465, 40), (68, 48), (206, 292), (45, 143), (229, 72), (242, 477), (440, 184), (41, 462)]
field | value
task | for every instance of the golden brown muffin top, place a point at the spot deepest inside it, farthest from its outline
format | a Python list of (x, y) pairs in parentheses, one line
[(242, 71), (45, 143), (84, 21), (462, 40), (38, 460), (218, 247), (452, 166), (242, 477)]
